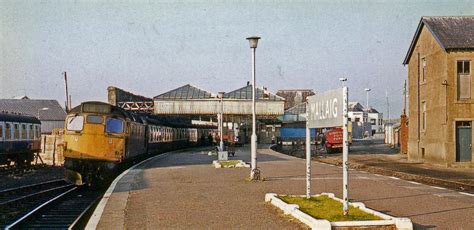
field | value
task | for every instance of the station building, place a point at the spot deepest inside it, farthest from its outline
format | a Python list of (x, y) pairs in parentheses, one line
[(204, 107), (440, 85)]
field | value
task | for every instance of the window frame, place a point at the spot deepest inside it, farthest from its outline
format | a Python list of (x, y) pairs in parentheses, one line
[(76, 116), (463, 73), (93, 122), (122, 122)]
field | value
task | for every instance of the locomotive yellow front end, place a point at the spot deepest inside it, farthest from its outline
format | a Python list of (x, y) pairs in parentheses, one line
[(94, 141)]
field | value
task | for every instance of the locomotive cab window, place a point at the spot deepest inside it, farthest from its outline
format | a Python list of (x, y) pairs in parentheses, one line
[(95, 119), (75, 123), (114, 125)]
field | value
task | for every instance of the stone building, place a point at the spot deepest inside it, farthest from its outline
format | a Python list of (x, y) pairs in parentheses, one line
[(294, 97), (441, 105)]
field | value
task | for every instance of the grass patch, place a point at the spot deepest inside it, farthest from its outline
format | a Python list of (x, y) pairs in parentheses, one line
[(229, 163), (324, 207)]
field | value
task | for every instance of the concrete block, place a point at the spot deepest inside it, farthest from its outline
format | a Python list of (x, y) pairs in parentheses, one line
[(222, 155), (269, 196), (403, 224)]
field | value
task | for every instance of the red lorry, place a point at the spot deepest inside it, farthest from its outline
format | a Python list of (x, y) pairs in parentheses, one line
[(333, 140)]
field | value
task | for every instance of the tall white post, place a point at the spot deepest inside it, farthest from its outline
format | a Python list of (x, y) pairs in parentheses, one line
[(221, 122), (254, 122), (308, 162), (345, 154)]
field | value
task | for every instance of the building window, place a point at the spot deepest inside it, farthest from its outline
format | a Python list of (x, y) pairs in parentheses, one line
[(423, 121), (423, 72), (357, 119), (464, 79), (373, 121)]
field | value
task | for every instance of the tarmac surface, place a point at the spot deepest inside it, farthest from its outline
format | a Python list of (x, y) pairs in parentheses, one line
[(181, 190)]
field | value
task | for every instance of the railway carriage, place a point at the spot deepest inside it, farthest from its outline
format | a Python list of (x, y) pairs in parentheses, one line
[(20, 138)]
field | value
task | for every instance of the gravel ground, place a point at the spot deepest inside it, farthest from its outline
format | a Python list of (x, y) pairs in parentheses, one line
[(31, 176)]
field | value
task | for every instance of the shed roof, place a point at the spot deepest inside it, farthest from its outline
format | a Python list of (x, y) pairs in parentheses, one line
[(245, 93), (451, 32), (31, 107), (297, 109), (185, 92)]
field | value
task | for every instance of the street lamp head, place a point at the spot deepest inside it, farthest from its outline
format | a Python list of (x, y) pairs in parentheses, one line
[(367, 89), (253, 41), (343, 79)]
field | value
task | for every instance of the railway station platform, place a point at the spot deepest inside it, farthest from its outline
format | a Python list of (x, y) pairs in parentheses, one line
[(182, 190)]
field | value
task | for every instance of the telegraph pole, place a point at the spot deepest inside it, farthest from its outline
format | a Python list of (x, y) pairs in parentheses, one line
[(404, 97), (68, 106)]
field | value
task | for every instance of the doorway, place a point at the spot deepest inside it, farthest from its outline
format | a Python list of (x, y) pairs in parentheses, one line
[(463, 141)]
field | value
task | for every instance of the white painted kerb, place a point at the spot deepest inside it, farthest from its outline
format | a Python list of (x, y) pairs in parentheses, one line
[(292, 209)]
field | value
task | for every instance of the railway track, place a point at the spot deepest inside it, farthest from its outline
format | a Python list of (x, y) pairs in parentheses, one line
[(52, 204), (65, 211)]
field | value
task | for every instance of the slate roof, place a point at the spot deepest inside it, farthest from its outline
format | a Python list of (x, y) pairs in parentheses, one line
[(245, 93), (451, 33), (185, 92), (355, 107), (31, 106)]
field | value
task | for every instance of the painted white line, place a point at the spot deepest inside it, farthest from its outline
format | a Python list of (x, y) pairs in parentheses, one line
[(413, 182), (395, 178), (95, 218), (467, 194), (436, 187)]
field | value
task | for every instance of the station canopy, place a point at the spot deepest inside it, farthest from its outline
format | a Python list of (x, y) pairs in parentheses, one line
[(191, 100)]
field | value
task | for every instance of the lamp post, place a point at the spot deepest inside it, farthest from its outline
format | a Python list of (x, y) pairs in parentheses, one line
[(343, 80), (39, 110), (367, 90), (221, 122), (254, 173)]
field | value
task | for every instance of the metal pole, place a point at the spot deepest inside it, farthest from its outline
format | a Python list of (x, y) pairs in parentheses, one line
[(67, 94), (254, 123), (308, 162), (221, 122), (345, 153)]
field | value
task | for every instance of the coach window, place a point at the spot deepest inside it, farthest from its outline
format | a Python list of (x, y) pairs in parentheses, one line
[(8, 131), (23, 132), (1, 131), (75, 123), (38, 131), (114, 125), (94, 119), (16, 132), (31, 132)]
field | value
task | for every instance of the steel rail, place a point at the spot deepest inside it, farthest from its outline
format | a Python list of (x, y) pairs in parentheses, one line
[(32, 212), (35, 194), (31, 185)]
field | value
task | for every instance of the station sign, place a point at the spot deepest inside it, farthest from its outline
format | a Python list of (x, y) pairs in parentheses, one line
[(325, 109)]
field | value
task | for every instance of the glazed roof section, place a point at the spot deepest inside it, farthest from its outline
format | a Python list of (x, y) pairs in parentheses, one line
[(245, 93), (31, 107), (297, 109), (450, 32), (186, 92)]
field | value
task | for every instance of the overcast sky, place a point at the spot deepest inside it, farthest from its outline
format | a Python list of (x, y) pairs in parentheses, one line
[(150, 47)]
